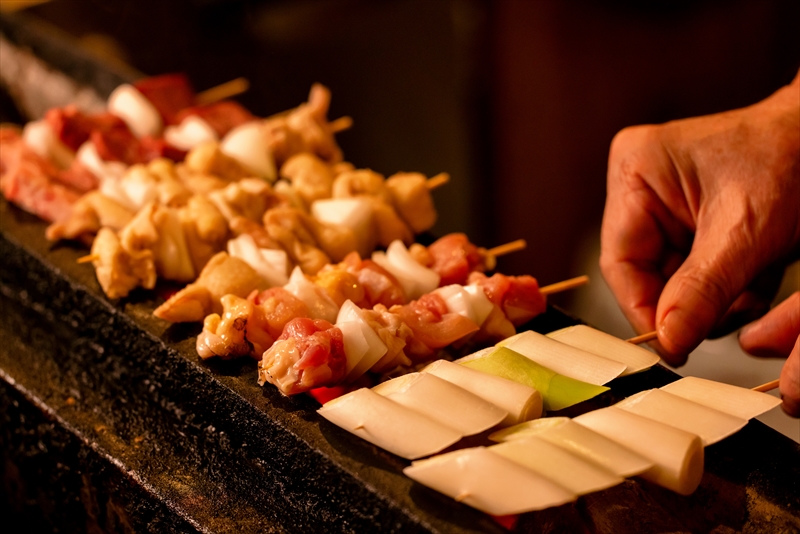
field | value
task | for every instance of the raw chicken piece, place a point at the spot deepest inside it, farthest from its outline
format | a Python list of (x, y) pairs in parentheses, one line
[(221, 275)]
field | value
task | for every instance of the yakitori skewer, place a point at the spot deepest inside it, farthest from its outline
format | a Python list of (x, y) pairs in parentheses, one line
[(769, 386), (508, 248), (643, 338), (564, 285), (437, 181), (221, 92)]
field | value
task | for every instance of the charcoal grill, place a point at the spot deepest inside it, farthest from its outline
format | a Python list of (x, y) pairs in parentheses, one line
[(109, 422)]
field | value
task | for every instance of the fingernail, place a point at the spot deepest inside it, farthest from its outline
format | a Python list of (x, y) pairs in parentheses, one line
[(681, 331)]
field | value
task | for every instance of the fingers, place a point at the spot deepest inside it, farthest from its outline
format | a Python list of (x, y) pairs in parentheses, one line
[(642, 241), (775, 334), (723, 262), (790, 382)]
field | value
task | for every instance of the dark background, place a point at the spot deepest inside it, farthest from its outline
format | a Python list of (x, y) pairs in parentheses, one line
[(517, 99)]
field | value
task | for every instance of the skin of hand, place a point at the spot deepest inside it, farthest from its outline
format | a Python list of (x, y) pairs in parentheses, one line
[(702, 215), (776, 335)]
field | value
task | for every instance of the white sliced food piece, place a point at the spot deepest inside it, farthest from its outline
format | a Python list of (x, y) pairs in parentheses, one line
[(488, 482), (191, 132), (376, 348), (563, 359), (245, 248), (520, 401), (580, 440), (415, 278), (388, 425), (557, 464), (139, 186), (469, 301), (735, 400), (115, 190), (598, 342), (355, 344), (320, 304), (249, 145), (354, 213), (443, 401), (104, 170), (710, 424), (39, 137), (130, 105), (677, 454)]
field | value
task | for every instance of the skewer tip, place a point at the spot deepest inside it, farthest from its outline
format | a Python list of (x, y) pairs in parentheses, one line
[(769, 386), (88, 258), (437, 181), (564, 285), (643, 338)]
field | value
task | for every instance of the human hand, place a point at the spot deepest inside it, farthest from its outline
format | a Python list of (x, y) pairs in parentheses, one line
[(701, 217), (777, 334)]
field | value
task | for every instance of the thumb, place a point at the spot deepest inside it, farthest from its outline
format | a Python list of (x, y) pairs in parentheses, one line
[(714, 274)]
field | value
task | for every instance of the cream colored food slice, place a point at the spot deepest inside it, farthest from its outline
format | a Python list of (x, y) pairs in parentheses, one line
[(191, 132), (129, 104), (677, 455), (468, 301), (354, 213), (249, 145), (520, 401), (564, 359), (489, 482), (443, 401), (39, 136), (414, 277), (735, 400), (602, 344), (710, 424), (557, 464), (372, 349), (388, 425), (580, 440)]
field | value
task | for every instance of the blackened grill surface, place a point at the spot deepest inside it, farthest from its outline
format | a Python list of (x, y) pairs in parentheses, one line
[(111, 423)]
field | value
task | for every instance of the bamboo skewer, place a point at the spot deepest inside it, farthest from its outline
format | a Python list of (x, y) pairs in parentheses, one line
[(643, 338), (341, 124), (88, 258), (564, 285), (508, 248), (437, 181), (769, 386), (220, 92)]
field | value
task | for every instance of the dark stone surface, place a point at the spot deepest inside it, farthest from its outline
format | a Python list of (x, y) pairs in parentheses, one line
[(111, 423)]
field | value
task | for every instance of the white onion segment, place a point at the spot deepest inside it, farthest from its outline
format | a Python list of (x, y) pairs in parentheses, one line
[(735, 400), (388, 425), (415, 278), (468, 301), (488, 482), (249, 145), (677, 455), (320, 305), (263, 261), (443, 401), (710, 424), (564, 359), (39, 137), (602, 344), (191, 132), (375, 348), (354, 213), (130, 105), (582, 441), (557, 464), (104, 170), (520, 401)]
